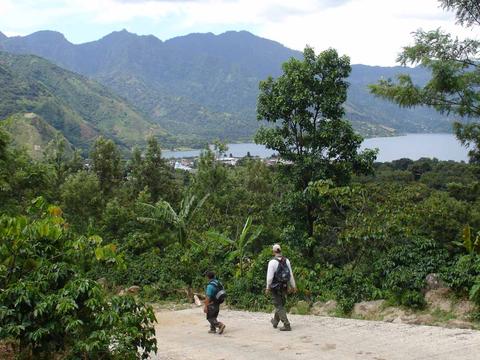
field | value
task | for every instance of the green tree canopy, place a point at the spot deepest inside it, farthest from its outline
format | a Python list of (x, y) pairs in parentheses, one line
[(82, 198), (306, 106), (150, 170), (467, 11), (106, 163), (455, 69)]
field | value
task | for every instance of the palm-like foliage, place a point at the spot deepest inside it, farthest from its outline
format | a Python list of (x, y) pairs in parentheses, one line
[(470, 242), (163, 213), (240, 244)]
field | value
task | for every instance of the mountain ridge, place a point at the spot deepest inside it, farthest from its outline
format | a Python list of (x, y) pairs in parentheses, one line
[(77, 106), (204, 86)]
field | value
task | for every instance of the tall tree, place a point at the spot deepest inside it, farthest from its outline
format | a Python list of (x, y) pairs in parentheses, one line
[(64, 162), (156, 173), (455, 68), (106, 163), (82, 198), (306, 106), (149, 170)]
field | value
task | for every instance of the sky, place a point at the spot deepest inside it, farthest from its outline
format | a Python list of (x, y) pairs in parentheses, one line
[(371, 32)]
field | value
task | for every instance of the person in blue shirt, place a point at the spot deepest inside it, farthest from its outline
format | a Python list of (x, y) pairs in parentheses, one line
[(212, 307)]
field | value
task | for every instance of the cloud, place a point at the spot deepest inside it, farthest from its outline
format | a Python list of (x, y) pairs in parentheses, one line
[(172, 1), (147, 1)]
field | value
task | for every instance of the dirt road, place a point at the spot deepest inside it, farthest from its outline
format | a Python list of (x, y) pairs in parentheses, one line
[(182, 335)]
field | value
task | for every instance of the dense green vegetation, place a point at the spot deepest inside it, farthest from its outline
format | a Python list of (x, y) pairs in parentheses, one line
[(73, 234), (203, 87), (376, 237), (79, 108)]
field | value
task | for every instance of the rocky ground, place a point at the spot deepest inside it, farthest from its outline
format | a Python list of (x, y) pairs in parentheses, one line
[(442, 310), (182, 335)]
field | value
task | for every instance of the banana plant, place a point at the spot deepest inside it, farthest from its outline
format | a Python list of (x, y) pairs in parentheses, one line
[(239, 244), (470, 242), (163, 213)]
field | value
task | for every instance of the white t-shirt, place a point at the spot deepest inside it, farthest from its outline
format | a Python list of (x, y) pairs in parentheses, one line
[(272, 268)]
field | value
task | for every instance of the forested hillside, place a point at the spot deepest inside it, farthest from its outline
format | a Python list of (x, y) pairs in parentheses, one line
[(208, 84), (35, 135), (78, 107)]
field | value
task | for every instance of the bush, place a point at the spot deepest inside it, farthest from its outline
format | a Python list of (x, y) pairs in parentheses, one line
[(348, 287), (401, 272), (49, 306), (462, 274)]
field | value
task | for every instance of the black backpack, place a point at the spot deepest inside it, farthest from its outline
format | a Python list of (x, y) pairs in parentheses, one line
[(282, 274), (220, 294)]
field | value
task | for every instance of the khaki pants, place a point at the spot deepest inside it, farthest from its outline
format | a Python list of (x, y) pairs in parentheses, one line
[(279, 298)]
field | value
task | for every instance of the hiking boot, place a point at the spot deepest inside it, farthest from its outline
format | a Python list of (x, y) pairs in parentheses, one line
[(274, 323), (286, 328), (212, 331), (221, 329)]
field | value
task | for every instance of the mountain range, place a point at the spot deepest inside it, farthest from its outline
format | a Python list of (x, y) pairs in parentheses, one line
[(201, 87)]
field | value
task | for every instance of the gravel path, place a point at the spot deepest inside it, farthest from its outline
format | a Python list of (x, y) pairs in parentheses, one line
[(182, 335)]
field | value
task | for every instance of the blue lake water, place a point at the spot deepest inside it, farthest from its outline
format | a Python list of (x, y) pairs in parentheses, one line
[(412, 146)]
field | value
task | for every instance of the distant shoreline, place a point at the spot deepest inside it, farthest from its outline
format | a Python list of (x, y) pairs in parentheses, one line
[(251, 141)]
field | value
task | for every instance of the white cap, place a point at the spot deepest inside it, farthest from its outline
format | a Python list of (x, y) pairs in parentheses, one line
[(276, 248)]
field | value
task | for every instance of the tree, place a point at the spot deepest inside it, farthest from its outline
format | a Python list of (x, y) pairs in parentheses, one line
[(239, 245), (467, 11), (306, 105), (106, 164), (455, 74), (211, 176), (65, 161), (149, 170), (81, 198), (220, 148)]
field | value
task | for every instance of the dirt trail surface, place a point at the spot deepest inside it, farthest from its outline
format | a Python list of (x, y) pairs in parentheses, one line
[(182, 335)]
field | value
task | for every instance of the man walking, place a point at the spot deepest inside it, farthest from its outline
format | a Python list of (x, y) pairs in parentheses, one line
[(279, 276), (214, 296)]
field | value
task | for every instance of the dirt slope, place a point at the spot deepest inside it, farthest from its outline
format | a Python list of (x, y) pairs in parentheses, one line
[(182, 335)]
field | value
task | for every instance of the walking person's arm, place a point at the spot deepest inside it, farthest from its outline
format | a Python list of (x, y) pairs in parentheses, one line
[(293, 286), (270, 275), (207, 302), (208, 297)]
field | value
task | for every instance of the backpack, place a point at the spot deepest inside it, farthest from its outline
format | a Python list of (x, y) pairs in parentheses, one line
[(282, 274), (220, 294)]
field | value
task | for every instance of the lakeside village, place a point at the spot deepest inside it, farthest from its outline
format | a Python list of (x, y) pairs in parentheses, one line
[(190, 163)]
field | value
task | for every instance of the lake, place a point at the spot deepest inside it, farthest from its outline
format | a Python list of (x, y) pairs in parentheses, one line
[(412, 146)]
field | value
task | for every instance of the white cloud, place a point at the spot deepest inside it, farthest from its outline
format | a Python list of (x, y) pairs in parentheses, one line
[(13, 33), (370, 31)]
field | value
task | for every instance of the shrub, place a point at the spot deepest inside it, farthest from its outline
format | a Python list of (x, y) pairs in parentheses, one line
[(401, 272), (49, 306), (463, 273)]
